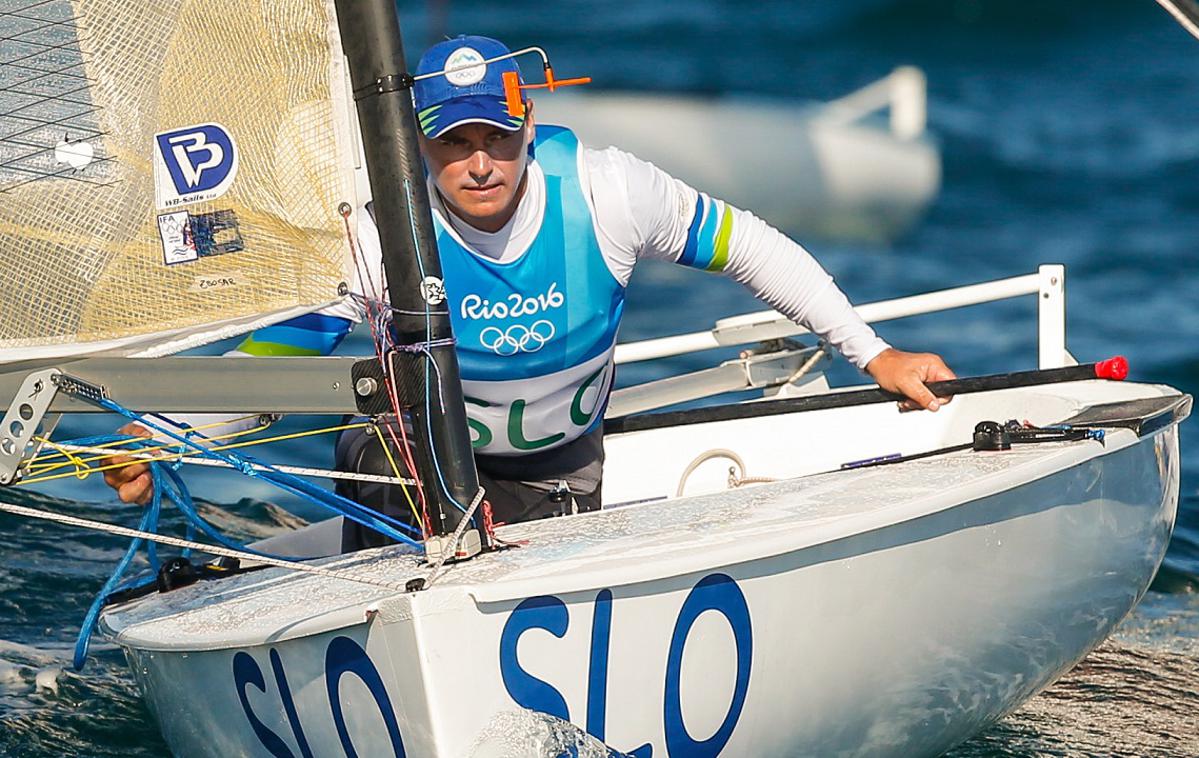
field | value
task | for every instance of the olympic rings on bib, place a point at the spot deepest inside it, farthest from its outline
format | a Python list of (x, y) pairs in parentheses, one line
[(517, 338)]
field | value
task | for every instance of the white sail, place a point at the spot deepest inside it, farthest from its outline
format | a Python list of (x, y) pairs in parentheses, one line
[(170, 172)]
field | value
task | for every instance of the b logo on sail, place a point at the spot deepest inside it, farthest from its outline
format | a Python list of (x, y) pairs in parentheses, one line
[(193, 164)]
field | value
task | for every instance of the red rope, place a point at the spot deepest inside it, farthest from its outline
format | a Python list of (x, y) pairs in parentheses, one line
[(371, 303)]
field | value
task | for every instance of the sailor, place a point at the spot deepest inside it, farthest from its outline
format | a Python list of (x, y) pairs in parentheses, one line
[(538, 237)]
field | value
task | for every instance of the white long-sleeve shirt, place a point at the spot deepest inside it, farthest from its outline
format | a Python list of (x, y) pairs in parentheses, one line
[(641, 212)]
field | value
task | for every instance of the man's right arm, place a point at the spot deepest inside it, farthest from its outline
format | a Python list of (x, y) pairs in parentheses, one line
[(644, 212)]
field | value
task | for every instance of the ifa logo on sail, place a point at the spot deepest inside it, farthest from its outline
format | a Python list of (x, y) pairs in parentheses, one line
[(193, 164)]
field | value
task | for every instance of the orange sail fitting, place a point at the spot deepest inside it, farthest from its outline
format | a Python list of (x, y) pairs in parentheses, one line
[(512, 98), (558, 83), (512, 88)]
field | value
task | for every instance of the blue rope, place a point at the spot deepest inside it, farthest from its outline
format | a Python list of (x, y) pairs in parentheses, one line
[(148, 523), (168, 483), (380, 522)]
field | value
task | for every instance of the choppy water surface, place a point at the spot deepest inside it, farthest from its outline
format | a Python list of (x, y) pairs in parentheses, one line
[(1068, 135)]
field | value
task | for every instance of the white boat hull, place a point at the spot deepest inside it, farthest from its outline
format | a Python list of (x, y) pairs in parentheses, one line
[(890, 624)]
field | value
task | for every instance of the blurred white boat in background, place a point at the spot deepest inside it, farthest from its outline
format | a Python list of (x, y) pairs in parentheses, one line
[(835, 170), (838, 170)]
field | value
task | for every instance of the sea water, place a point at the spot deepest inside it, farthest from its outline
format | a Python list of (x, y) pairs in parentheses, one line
[(1069, 134)]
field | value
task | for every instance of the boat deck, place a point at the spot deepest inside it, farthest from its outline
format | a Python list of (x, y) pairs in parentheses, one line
[(619, 546)]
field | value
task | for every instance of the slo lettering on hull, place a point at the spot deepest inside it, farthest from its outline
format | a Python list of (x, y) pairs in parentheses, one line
[(345, 657), (715, 592)]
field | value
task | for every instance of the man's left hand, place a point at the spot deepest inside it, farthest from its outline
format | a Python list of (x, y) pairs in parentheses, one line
[(907, 374)]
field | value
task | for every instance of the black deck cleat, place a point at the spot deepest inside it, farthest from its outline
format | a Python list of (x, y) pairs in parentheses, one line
[(176, 573), (988, 435)]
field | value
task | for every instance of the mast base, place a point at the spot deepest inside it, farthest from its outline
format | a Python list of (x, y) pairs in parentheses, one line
[(469, 545)]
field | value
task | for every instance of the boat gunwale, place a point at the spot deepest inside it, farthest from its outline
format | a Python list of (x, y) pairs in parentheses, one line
[(501, 591)]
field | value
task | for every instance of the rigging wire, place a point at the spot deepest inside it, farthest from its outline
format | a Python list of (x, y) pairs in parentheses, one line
[(172, 453), (142, 533), (147, 525), (44, 462), (354, 511), (429, 356), (316, 473), (166, 482), (378, 320), (169, 484), (391, 461), (451, 548)]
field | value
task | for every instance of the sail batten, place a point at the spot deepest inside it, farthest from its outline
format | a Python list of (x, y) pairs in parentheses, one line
[(169, 171)]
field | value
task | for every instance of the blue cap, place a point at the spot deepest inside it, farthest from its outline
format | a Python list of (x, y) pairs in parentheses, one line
[(472, 95)]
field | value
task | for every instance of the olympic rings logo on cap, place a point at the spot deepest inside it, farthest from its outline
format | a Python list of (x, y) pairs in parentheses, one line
[(517, 338)]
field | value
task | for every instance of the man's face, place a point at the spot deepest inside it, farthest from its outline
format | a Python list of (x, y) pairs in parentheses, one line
[(479, 170)]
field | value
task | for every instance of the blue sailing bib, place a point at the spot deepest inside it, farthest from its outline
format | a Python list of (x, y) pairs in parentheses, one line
[(536, 335)]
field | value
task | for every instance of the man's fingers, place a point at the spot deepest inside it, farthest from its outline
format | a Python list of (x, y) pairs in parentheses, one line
[(115, 477), (918, 393), (939, 372), (134, 429), (132, 482), (136, 491), (908, 374)]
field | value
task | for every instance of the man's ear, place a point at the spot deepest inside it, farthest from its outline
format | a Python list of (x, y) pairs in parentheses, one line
[(530, 124)]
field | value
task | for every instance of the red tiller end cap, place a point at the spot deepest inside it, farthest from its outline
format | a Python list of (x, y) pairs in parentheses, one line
[(1113, 368)]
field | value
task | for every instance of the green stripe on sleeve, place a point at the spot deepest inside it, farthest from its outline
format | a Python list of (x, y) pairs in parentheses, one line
[(250, 346), (722, 241)]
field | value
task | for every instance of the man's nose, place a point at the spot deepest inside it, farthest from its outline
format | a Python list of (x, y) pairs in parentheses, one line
[(480, 166)]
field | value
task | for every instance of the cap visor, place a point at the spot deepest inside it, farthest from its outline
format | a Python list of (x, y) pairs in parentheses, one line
[(479, 109)]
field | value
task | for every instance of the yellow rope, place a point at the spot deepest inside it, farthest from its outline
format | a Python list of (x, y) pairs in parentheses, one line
[(43, 463), (395, 471), (117, 447), (88, 471), (175, 454), (81, 468), (292, 436), (169, 452)]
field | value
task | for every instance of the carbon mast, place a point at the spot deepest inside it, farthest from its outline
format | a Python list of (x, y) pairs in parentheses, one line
[(370, 33)]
